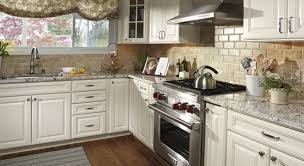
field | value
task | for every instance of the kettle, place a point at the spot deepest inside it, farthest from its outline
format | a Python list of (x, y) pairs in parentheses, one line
[(204, 80)]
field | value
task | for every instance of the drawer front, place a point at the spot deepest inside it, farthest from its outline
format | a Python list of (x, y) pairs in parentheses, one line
[(89, 85), (278, 137), (85, 108), (91, 96), (25, 89), (88, 125), (143, 88)]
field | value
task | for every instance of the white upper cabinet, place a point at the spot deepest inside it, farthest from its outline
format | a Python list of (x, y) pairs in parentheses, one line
[(133, 21), (296, 19), (51, 118), (215, 136), (265, 20), (119, 103), (242, 151), (15, 122)]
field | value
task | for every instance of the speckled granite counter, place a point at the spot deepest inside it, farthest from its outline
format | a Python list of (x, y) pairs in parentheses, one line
[(30, 79), (291, 115)]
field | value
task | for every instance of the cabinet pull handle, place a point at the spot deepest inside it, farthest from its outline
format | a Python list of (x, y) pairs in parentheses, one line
[(290, 24), (261, 154), (273, 158), (90, 125), (90, 97), (90, 108), (207, 110), (270, 136), (143, 88), (280, 25), (164, 34), (146, 100), (160, 35), (90, 85)]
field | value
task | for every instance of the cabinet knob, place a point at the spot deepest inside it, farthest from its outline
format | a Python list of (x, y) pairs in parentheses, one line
[(113, 82), (273, 158), (262, 154), (28, 99), (35, 99)]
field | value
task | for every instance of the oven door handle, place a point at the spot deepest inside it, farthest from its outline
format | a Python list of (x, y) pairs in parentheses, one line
[(171, 117)]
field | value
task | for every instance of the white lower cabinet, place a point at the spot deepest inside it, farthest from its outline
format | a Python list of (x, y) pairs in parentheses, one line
[(142, 119), (133, 107), (150, 128), (242, 151), (51, 118), (119, 103), (15, 122), (280, 159), (215, 136), (88, 125)]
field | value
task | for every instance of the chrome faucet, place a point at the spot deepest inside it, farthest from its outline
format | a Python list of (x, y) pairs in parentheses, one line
[(33, 63)]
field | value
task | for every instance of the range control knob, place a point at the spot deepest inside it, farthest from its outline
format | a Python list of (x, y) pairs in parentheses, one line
[(176, 105), (184, 106), (161, 97), (191, 109), (156, 94)]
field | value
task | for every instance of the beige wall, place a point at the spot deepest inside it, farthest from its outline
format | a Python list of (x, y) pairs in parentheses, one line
[(228, 51)]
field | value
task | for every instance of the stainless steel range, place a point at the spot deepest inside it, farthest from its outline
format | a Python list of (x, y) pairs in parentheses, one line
[(179, 120)]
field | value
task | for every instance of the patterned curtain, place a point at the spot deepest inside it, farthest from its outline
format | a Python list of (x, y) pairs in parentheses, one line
[(89, 9)]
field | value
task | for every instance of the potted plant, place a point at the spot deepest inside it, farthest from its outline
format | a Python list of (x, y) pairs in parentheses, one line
[(279, 88), (3, 50)]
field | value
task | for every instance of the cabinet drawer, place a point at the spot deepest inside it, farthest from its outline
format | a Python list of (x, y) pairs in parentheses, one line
[(143, 88), (89, 85), (88, 125), (278, 137), (85, 108), (92, 96)]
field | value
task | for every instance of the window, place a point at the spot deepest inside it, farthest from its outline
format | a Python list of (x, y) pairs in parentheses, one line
[(62, 32)]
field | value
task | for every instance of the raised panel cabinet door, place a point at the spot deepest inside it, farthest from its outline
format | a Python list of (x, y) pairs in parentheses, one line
[(143, 119), (296, 19), (281, 159), (150, 135), (51, 118), (133, 107), (119, 105), (170, 10), (265, 20), (215, 136), (15, 122), (242, 151), (156, 21)]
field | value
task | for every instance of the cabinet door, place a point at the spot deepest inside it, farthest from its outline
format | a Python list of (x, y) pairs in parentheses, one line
[(136, 21), (215, 138), (280, 159), (150, 135), (133, 107), (265, 20), (119, 100), (156, 20), (143, 119), (51, 118), (296, 19), (242, 151), (15, 122), (170, 10)]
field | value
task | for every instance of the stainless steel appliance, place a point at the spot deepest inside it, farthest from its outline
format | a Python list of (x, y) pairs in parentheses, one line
[(179, 120), (218, 12)]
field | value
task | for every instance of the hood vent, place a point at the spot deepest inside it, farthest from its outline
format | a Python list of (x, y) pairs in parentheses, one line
[(212, 12)]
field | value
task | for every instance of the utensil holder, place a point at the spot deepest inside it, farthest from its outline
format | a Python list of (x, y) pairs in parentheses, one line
[(254, 85)]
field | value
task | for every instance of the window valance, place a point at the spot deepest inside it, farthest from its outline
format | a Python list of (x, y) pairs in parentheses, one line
[(89, 9)]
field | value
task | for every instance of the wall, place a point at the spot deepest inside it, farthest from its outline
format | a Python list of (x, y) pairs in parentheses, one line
[(228, 51), (19, 64)]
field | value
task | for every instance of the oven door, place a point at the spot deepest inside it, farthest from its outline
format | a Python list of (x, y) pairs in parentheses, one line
[(177, 141)]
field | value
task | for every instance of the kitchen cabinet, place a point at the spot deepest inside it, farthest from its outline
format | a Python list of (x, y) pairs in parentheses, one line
[(215, 135), (89, 125), (119, 104), (143, 117), (51, 116), (134, 102), (242, 151), (15, 122), (150, 128), (134, 21), (280, 159), (274, 20), (161, 11)]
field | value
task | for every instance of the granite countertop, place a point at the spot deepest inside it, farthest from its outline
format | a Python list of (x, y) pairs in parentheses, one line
[(290, 116)]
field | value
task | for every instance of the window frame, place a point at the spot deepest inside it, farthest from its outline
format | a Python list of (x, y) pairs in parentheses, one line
[(113, 31)]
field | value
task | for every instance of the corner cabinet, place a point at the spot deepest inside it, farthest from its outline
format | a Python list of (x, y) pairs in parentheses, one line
[(15, 122), (119, 104), (274, 20), (51, 118), (133, 21)]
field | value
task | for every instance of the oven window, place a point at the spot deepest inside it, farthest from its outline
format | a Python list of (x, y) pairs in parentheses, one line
[(175, 138)]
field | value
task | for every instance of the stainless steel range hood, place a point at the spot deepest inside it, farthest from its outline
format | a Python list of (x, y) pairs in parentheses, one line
[(215, 12)]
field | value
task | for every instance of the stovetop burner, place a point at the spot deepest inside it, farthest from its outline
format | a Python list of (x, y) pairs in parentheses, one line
[(221, 87)]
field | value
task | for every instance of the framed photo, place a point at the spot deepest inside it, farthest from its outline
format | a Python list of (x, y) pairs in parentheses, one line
[(150, 66)]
